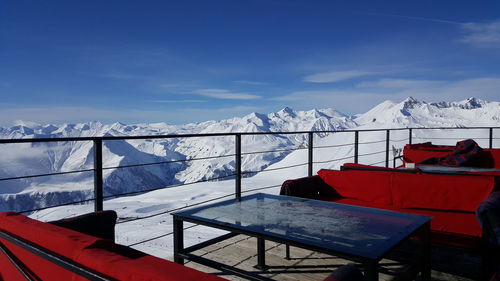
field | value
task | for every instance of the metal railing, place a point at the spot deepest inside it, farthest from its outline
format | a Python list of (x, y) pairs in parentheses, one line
[(238, 174)]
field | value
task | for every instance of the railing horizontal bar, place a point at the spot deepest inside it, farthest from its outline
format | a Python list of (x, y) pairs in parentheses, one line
[(170, 186), (372, 153), (166, 212), (335, 145), (195, 204), (273, 169), (58, 205), (370, 142), (176, 209), (379, 162), (46, 175), (261, 188), (160, 236), (398, 140), (449, 138), (110, 138), (168, 162), (333, 160), (271, 151)]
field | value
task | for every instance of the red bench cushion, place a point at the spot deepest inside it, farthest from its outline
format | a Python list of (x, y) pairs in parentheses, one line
[(449, 227), (105, 257), (126, 264), (440, 192), (370, 186), (62, 241)]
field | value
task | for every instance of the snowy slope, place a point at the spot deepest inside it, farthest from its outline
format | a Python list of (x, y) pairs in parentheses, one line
[(414, 113), (35, 159)]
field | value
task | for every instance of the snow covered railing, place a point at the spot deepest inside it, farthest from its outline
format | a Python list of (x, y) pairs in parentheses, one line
[(382, 154)]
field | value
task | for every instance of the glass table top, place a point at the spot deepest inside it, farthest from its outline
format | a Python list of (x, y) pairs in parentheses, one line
[(353, 230)]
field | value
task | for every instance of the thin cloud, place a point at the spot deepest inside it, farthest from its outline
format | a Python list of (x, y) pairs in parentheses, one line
[(247, 82), (413, 18), (225, 94), (366, 95), (72, 114), (336, 76), (389, 83), (178, 101), (482, 35)]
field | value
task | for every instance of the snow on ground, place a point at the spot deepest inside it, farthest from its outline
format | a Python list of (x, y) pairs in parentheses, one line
[(328, 147)]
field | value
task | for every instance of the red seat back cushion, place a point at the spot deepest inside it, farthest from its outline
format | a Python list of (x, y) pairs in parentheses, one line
[(441, 192), (370, 186), (494, 157), (62, 241), (417, 153), (126, 264), (449, 227)]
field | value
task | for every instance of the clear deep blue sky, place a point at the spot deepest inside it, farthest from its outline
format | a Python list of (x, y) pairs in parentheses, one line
[(184, 61)]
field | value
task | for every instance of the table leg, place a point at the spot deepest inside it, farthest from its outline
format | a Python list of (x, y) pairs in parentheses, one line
[(178, 240), (261, 254), (426, 252), (371, 271)]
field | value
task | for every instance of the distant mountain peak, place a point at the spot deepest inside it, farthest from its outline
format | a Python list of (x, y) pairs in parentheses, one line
[(407, 104), (288, 111), (473, 102), (25, 123)]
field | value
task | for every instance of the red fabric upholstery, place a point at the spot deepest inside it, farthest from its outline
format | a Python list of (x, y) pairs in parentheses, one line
[(62, 241), (449, 227), (416, 153), (127, 264), (441, 192), (450, 199), (109, 259), (371, 186)]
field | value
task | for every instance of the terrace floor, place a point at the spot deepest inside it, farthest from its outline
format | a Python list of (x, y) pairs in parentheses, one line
[(305, 265)]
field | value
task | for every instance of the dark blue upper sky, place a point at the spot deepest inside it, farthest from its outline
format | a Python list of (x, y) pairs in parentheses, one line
[(184, 61)]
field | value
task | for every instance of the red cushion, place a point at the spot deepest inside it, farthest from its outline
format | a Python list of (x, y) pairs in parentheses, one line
[(442, 192), (494, 156), (415, 153), (126, 264), (103, 256), (449, 227), (371, 186), (59, 240)]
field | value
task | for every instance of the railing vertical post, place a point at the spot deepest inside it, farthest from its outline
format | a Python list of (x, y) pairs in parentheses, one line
[(238, 166), (356, 146), (98, 182), (387, 136), (410, 133), (491, 138), (310, 155)]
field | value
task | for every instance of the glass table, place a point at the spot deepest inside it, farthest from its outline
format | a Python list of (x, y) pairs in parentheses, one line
[(356, 233)]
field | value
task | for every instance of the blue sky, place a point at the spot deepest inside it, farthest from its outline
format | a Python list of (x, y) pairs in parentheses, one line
[(189, 61)]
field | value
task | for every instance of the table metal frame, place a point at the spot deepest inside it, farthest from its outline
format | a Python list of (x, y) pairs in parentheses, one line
[(370, 265)]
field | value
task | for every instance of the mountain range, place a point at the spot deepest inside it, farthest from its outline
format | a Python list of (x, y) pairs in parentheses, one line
[(32, 159)]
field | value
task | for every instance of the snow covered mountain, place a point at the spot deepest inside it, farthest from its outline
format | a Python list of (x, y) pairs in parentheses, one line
[(37, 159), (34, 159), (414, 113)]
